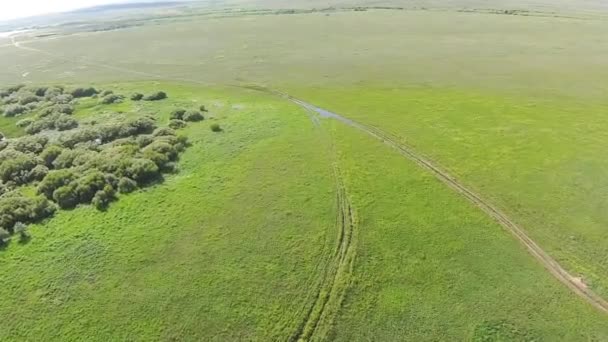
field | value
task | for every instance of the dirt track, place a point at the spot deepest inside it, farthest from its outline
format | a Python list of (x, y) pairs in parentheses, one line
[(572, 282)]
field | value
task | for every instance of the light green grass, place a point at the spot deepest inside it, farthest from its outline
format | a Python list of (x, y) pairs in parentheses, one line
[(542, 161), (431, 267), (226, 249)]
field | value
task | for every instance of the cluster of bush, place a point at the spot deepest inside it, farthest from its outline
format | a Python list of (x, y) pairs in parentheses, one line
[(19, 100), (86, 163), (179, 117)]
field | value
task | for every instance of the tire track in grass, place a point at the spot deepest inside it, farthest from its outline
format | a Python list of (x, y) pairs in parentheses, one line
[(575, 284), (318, 322)]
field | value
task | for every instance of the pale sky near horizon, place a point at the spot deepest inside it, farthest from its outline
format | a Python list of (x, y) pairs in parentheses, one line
[(12, 9)]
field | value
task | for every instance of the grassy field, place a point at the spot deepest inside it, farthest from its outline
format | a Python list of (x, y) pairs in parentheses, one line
[(246, 239)]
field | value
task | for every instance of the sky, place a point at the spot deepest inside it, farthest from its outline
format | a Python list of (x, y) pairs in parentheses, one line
[(12, 9)]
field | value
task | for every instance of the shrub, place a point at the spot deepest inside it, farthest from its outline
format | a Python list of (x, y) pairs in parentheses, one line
[(111, 98), (137, 97), (54, 180), (24, 122), (50, 153), (84, 92), (14, 110), (163, 131), (38, 173), (177, 114), (144, 140), (17, 168), (15, 209), (156, 96), (103, 197), (126, 185), (142, 171), (66, 196), (177, 124), (4, 236), (65, 122), (193, 115), (63, 99), (88, 185), (203, 109), (216, 128), (28, 99), (40, 125), (106, 93), (65, 160), (63, 109), (20, 228), (33, 144)]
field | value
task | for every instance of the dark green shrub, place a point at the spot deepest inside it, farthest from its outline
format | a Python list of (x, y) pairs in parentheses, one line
[(63, 99), (142, 171), (40, 125), (14, 110), (106, 93), (17, 168), (193, 115), (203, 108), (20, 229), (88, 185), (160, 95), (84, 92), (63, 109), (144, 140), (28, 99), (15, 209), (65, 160), (38, 173), (177, 124), (103, 197), (50, 153), (126, 185), (66, 196), (163, 131), (32, 144), (24, 122), (15, 89), (177, 114), (215, 127), (65, 122), (4, 236), (137, 97), (54, 180), (112, 98)]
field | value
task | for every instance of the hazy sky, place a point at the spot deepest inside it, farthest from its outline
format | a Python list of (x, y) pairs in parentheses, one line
[(10, 9)]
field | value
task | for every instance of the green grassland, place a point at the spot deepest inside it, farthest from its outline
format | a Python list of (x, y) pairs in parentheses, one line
[(237, 245)]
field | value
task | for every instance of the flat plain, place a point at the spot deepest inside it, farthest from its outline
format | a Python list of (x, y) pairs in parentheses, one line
[(290, 226)]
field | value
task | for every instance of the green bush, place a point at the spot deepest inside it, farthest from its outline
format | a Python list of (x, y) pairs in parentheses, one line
[(111, 98), (84, 92), (126, 185), (54, 180), (106, 93), (20, 228), (65, 122), (216, 127), (163, 131), (50, 153), (160, 95), (63, 99), (15, 209), (142, 171), (31, 144), (26, 99), (177, 124), (66, 196), (17, 168), (177, 114), (24, 122), (63, 109), (137, 97), (4, 236), (38, 173), (14, 110), (193, 115), (203, 109)]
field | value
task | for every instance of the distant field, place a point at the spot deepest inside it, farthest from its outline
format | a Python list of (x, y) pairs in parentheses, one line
[(248, 241)]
